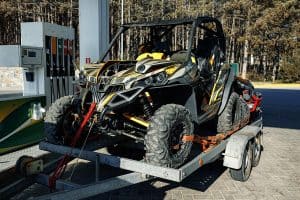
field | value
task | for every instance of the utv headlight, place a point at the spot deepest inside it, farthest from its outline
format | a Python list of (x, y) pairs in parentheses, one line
[(160, 78), (82, 79), (149, 80), (141, 68), (157, 79)]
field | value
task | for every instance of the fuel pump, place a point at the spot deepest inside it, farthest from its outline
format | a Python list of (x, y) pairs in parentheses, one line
[(72, 67), (53, 75), (61, 66), (49, 66), (66, 64), (55, 64)]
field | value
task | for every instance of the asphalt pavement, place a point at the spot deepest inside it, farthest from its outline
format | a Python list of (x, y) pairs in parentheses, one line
[(277, 176)]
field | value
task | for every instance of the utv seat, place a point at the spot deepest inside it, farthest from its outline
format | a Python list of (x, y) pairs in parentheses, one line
[(207, 53), (181, 56), (162, 47)]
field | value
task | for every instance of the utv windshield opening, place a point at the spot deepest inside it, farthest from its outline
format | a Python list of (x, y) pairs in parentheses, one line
[(166, 37)]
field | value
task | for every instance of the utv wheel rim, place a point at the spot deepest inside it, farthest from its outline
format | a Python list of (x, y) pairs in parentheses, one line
[(70, 124), (175, 139)]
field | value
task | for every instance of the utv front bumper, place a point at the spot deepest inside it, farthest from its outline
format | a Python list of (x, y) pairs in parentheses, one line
[(120, 99)]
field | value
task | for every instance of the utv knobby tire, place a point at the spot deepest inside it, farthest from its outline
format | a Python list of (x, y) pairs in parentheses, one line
[(231, 115), (245, 115), (161, 131), (54, 119)]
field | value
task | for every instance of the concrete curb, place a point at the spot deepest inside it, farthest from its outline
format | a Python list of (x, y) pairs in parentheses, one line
[(277, 85)]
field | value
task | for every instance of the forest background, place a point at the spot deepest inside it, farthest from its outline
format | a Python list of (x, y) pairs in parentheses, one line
[(262, 35)]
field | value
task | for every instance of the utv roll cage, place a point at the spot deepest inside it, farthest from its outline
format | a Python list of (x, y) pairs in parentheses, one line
[(198, 22)]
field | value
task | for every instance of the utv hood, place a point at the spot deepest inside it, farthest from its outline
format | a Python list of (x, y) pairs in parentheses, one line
[(141, 70)]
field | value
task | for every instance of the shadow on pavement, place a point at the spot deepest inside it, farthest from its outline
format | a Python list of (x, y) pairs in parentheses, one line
[(200, 180)]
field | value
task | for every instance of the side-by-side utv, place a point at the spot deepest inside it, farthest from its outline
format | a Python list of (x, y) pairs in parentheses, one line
[(162, 96)]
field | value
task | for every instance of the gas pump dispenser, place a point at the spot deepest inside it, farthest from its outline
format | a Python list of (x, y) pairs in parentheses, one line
[(53, 77)]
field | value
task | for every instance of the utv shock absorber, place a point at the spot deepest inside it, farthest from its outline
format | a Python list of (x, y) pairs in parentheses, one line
[(147, 103), (146, 108)]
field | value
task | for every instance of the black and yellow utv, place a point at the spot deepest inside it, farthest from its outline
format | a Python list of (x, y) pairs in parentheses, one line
[(174, 79)]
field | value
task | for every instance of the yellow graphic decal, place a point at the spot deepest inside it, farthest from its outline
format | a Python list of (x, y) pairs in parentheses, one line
[(215, 91), (171, 70), (193, 60), (154, 55)]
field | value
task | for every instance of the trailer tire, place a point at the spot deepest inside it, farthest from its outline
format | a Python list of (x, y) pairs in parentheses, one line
[(53, 126), (21, 164), (231, 115), (167, 126), (244, 172)]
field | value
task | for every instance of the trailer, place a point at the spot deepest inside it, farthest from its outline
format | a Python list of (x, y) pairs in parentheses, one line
[(240, 151)]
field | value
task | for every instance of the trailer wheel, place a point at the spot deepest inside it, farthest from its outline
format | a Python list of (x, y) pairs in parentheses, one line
[(244, 172), (21, 164), (257, 149), (60, 121), (231, 115), (164, 146)]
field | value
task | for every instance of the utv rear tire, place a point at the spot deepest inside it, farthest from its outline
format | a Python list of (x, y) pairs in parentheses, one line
[(245, 115), (54, 119), (167, 127), (231, 115)]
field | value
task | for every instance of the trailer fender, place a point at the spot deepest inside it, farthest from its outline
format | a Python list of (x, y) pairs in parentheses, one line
[(234, 152), (236, 145)]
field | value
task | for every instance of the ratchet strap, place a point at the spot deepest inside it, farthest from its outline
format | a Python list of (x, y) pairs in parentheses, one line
[(64, 161), (207, 142)]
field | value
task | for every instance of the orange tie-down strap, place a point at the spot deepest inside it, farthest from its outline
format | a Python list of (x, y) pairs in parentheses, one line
[(207, 142)]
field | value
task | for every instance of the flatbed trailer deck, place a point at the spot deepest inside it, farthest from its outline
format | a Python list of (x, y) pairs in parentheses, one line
[(232, 148)]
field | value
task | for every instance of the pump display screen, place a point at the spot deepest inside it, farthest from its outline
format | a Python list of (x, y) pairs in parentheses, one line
[(31, 57), (31, 54)]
